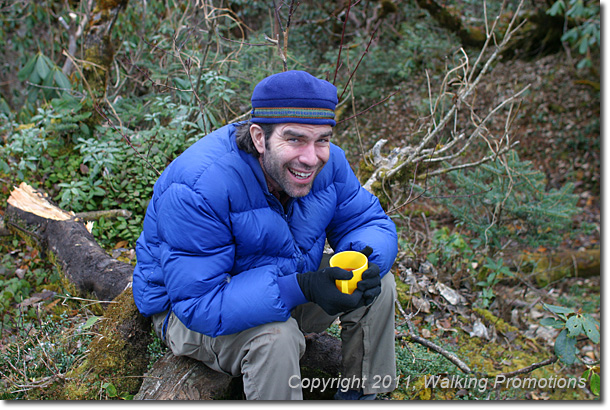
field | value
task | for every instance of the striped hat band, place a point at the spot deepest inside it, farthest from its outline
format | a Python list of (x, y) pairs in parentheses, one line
[(293, 112)]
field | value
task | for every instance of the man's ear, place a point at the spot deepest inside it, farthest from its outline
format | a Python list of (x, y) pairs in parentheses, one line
[(258, 138)]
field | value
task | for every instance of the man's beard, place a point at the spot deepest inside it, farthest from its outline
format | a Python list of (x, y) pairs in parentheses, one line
[(280, 174)]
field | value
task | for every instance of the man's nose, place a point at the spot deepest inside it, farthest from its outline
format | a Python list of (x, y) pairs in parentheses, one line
[(308, 155)]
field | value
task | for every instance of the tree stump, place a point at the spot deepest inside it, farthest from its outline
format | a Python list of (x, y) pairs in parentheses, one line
[(183, 378)]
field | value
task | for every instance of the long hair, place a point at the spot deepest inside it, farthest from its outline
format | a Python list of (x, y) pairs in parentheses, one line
[(244, 139)]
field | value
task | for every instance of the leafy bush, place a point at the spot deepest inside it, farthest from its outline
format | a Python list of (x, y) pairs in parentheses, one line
[(584, 34), (43, 75), (573, 324)]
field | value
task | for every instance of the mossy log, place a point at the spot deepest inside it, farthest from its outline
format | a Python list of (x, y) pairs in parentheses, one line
[(548, 268), (119, 354)]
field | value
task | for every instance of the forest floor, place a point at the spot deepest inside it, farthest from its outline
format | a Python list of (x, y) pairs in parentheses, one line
[(559, 131)]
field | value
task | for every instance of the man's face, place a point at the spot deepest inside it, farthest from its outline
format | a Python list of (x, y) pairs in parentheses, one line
[(293, 155)]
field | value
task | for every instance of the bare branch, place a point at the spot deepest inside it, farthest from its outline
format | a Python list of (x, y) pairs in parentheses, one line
[(359, 61), (372, 106), (529, 368), (473, 164)]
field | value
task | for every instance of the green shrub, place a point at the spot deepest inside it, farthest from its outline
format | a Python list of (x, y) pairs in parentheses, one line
[(499, 202)]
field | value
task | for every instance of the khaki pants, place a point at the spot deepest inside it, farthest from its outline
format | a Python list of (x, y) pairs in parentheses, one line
[(268, 355)]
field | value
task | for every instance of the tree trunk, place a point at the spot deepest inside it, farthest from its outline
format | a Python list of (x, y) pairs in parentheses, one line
[(469, 36), (541, 35), (119, 354), (98, 48)]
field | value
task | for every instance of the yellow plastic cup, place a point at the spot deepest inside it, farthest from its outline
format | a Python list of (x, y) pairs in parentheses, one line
[(353, 261)]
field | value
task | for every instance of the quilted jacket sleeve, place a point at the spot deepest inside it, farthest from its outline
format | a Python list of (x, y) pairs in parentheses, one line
[(196, 255), (359, 219)]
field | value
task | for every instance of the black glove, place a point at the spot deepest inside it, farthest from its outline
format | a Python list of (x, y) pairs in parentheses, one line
[(367, 251), (370, 284), (320, 287)]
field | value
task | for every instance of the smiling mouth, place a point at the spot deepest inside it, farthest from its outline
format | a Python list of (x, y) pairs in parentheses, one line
[(300, 175)]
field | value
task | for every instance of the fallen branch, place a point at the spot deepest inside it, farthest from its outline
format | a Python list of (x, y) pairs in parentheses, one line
[(108, 214), (411, 336)]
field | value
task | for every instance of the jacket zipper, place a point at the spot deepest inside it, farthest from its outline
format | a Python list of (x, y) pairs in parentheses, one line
[(279, 208)]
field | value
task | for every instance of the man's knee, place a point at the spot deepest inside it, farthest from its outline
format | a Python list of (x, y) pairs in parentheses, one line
[(280, 339)]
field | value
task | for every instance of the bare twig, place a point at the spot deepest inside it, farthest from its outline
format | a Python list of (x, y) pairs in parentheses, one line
[(349, 6), (372, 106), (359, 61), (475, 163), (283, 45), (530, 368)]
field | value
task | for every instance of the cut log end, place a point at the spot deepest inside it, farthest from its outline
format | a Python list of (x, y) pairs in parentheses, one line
[(73, 248)]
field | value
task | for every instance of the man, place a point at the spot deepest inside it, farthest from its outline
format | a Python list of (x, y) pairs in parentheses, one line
[(233, 239)]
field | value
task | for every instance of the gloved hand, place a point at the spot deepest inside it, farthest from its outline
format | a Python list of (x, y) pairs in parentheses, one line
[(319, 287), (370, 285)]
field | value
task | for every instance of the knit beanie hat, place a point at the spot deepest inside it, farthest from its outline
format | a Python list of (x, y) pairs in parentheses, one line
[(294, 96)]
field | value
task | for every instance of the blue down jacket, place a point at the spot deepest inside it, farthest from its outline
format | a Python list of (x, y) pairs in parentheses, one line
[(221, 252)]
